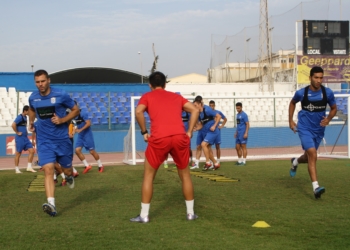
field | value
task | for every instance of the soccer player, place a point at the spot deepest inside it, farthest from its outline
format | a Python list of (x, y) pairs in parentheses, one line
[(86, 140), (312, 122), (208, 123), (241, 135), (199, 139), (21, 139), (218, 139), (167, 136), (49, 105), (185, 120)]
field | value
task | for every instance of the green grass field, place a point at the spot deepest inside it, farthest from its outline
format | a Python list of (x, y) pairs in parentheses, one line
[(95, 214)]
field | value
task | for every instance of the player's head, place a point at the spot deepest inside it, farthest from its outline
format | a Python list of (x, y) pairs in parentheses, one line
[(157, 79), (42, 81), (25, 109), (316, 77), (239, 107), (198, 103), (212, 104)]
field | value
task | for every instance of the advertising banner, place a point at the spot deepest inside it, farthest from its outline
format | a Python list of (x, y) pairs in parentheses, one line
[(11, 145), (336, 68)]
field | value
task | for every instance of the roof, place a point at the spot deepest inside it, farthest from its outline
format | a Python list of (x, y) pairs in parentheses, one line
[(95, 75)]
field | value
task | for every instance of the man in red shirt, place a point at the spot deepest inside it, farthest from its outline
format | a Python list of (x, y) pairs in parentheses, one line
[(167, 136)]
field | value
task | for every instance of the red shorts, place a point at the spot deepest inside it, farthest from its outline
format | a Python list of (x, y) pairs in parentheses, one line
[(176, 145)]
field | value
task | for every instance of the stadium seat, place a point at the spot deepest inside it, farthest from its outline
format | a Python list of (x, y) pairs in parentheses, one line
[(75, 95), (122, 120), (114, 99), (90, 115), (120, 94), (93, 109), (103, 95), (95, 121), (114, 120), (3, 123), (85, 95), (98, 115), (112, 109), (117, 114), (103, 110), (104, 121)]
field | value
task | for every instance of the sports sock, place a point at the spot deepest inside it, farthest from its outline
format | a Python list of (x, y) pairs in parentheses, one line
[(244, 159), (63, 176), (51, 200), (197, 162), (295, 162), (239, 160), (29, 165), (17, 168), (54, 176), (144, 209), (85, 163), (315, 185), (218, 161), (189, 206), (99, 163), (74, 170)]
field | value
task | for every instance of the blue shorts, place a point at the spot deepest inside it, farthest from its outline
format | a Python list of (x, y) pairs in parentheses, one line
[(59, 151), (22, 143), (200, 137), (241, 140), (85, 141), (309, 139), (218, 138), (211, 137)]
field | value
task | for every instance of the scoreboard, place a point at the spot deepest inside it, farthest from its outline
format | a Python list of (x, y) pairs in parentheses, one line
[(325, 37)]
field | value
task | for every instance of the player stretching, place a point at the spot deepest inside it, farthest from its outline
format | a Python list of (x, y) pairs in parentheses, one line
[(86, 139), (200, 138), (208, 122), (22, 142), (218, 139), (167, 136), (241, 135), (312, 122), (49, 106)]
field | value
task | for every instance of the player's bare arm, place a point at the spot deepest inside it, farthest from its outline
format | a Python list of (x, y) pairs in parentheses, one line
[(14, 127), (87, 125), (32, 115), (223, 123), (140, 118), (326, 120), (292, 124), (217, 120), (246, 130), (190, 108)]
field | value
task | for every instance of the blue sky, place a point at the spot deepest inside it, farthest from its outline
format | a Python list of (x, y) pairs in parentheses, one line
[(57, 35)]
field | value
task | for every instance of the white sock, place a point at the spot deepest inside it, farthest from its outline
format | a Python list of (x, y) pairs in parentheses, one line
[(144, 209), (244, 159), (99, 163), (218, 161), (197, 162), (315, 185), (74, 170), (63, 176), (51, 200), (295, 162), (85, 163), (29, 165), (239, 160), (165, 162), (54, 176), (17, 168), (189, 206)]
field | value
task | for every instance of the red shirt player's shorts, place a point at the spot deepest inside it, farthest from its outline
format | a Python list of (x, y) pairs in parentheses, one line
[(176, 145)]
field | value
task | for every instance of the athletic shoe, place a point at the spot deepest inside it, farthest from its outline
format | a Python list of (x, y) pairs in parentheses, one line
[(216, 167), (63, 183), (101, 169), (55, 181), (194, 166), (318, 191), (211, 167), (87, 169), (18, 171), (70, 181), (31, 170), (206, 166), (49, 209), (165, 165), (192, 216), (140, 219), (293, 169), (75, 174)]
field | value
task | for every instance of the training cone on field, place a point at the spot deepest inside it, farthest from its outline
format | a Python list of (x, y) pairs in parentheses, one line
[(261, 224)]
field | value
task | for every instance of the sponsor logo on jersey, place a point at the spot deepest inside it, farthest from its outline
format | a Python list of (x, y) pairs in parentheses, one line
[(53, 100)]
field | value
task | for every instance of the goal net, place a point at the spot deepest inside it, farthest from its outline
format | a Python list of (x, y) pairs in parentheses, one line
[(269, 136)]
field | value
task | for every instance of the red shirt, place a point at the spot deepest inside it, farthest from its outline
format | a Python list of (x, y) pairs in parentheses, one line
[(165, 112)]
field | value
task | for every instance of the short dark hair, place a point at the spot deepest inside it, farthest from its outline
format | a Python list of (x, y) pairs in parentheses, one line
[(239, 104), (41, 72), (157, 79), (198, 99), (316, 69), (25, 108), (212, 102)]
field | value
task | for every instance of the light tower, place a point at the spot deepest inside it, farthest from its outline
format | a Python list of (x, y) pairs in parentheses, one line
[(265, 69)]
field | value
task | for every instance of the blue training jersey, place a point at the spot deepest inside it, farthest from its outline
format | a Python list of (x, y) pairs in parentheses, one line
[(81, 121), (56, 102), (241, 118), (312, 120), (209, 113), (21, 124)]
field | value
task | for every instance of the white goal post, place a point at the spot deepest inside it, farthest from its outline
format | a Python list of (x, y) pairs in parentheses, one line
[(269, 135)]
